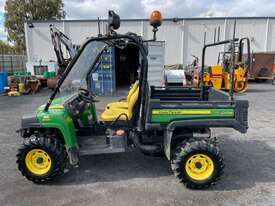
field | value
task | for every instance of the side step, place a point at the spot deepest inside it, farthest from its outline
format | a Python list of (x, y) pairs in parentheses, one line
[(99, 149), (98, 145)]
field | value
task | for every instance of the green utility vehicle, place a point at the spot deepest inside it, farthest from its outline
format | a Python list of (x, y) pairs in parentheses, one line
[(174, 122)]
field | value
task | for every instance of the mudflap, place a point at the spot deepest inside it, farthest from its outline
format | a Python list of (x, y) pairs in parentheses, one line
[(73, 154), (167, 142)]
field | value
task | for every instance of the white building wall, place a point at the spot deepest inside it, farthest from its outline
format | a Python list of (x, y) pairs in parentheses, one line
[(194, 39), (183, 38), (254, 29)]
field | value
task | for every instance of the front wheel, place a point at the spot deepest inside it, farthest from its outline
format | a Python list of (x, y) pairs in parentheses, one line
[(197, 164), (240, 87), (41, 159)]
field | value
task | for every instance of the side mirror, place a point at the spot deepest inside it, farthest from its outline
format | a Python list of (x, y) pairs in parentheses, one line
[(113, 20)]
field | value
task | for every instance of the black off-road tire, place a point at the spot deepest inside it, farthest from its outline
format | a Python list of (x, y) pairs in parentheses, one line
[(184, 151), (56, 150)]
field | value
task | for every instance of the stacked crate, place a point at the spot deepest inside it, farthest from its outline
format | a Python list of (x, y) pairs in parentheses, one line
[(103, 79)]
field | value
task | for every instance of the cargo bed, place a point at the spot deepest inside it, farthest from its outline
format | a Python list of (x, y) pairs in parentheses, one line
[(184, 107)]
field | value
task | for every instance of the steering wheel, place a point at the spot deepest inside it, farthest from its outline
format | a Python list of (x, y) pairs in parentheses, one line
[(86, 95)]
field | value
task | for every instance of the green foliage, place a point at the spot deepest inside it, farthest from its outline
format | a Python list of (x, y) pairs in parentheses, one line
[(6, 48), (19, 11)]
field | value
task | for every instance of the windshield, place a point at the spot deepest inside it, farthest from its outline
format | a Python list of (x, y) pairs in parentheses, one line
[(77, 76)]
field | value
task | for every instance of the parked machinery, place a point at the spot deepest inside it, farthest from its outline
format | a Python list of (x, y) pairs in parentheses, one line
[(174, 121), (218, 76), (241, 67), (59, 40)]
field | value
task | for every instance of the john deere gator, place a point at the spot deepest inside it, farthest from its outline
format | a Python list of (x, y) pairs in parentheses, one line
[(175, 122)]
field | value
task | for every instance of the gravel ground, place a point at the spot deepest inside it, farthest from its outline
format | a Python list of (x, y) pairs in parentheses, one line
[(134, 179)]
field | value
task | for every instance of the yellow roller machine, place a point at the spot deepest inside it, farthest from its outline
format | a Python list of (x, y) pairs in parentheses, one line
[(219, 76)]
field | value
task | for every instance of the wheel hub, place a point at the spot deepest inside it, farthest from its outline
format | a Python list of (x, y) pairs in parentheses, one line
[(38, 161), (199, 167)]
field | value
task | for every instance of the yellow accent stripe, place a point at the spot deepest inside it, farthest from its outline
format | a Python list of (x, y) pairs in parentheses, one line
[(56, 107), (171, 112)]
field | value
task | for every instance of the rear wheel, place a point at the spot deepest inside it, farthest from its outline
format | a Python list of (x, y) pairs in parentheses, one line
[(197, 164), (41, 159)]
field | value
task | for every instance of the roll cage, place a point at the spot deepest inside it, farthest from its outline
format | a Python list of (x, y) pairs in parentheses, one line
[(113, 40)]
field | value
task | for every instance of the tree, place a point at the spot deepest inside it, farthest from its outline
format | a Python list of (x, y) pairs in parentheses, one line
[(17, 12), (6, 48)]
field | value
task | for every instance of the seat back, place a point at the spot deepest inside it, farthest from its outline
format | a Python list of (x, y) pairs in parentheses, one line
[(132, 90), (132, 101)]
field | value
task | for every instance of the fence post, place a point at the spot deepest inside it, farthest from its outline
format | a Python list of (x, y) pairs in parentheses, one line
[(11, 65)]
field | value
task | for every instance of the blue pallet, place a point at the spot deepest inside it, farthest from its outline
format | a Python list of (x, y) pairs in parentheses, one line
[(3, 81)]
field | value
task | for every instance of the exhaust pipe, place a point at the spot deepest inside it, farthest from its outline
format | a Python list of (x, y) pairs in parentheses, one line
[(146, 149)]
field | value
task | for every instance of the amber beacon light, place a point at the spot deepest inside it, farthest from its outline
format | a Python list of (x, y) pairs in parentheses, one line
[(155, 18), (155, 21)]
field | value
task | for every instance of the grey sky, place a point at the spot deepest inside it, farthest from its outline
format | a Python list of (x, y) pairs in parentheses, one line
[(89, 9)]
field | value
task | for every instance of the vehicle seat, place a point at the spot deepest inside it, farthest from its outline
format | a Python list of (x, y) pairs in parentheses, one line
[(110, 115), (123, 104)]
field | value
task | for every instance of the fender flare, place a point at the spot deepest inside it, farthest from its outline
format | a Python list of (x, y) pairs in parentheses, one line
[(199, 123)]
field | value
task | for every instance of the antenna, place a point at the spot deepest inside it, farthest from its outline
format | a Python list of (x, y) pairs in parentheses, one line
[(233, 61), (204, 38), (215, 35), (219, 30), (98, 25)]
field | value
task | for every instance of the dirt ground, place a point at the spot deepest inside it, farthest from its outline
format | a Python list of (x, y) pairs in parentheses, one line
[(135, 179)]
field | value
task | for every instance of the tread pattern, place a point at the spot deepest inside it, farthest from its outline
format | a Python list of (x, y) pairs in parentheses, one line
[(53, 147), (185, 150)]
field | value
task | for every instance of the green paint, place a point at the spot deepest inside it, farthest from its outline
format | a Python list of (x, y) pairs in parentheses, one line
[(93, 109), (90, 111), (61, 119), (168, 115)]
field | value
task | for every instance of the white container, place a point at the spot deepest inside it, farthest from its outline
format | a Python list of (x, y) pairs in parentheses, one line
[(156, 51)]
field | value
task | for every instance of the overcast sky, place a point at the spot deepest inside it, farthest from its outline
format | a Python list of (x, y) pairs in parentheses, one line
[(89, 9)]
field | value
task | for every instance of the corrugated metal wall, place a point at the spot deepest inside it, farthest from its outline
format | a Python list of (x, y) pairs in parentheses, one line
[(183, 37)]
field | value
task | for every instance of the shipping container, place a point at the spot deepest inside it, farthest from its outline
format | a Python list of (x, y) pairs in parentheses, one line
[(261, 66), (103, 79)]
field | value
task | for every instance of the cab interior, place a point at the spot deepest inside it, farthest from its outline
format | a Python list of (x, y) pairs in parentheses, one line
[(121, 107)]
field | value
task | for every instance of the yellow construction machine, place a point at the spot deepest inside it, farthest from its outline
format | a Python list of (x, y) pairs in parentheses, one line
[(219, 75)]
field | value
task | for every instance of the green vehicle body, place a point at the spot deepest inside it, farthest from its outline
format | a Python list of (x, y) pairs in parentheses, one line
[(59, 118)]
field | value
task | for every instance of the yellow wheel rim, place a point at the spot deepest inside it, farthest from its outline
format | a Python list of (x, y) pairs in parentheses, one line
[(199, 167), (38, 161)]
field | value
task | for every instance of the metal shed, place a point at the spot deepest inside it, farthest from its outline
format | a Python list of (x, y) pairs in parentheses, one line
[(183, 36)]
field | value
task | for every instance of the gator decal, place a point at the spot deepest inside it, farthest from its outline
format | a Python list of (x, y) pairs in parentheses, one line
[(180, 111), (168, 115)]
